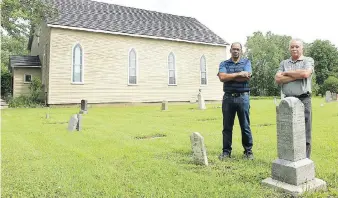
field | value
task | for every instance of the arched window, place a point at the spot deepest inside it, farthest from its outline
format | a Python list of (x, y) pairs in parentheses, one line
[(132, 68), (77, 69), (171, 69), (203, 67)]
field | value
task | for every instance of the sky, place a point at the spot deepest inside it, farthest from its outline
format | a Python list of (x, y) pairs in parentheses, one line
[(235, 20)]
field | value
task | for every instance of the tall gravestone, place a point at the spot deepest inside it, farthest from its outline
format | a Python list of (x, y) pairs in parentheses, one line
[(328, 96), (84, 107), (198, 149), (292, 172), (201, 102), (164, 105)]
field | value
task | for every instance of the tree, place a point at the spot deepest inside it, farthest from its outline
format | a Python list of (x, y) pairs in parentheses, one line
[(331, 84), (20, 17), (12, 46), (325, 56), (265, 53)]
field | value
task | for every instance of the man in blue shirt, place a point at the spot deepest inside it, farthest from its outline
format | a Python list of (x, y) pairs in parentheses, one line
[(235, 74)]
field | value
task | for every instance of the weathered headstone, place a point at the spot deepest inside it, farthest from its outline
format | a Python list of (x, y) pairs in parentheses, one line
[(334, 96), (328, 96), (79, 122), (198, 148), (201, 102), (47, 114), (164, 105), (84, 107), (292, 172), (73, 122)]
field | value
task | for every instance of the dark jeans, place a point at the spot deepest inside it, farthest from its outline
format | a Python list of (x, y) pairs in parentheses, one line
[(230, 106), (308, 123)]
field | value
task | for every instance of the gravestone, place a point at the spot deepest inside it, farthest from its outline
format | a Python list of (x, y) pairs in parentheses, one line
[(328, 96), (292, 172), (79, 122), (47, 114), (201, 102), (84, 107), (164, 105), (73, 122), (198, 149), (334, 96)]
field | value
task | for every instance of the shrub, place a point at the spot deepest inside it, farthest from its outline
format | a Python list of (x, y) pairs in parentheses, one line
[(33, 100), (36, 90), (330, 84), (22, 101), (6, 81)]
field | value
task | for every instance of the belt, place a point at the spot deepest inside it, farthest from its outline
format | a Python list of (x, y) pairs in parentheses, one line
[(237, 94), (304, 95)]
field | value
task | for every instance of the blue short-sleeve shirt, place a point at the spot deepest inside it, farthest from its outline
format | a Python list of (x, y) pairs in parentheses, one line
[(229, 66)]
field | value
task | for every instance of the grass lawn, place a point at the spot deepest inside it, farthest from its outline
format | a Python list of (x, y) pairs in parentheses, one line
[(40, 158)]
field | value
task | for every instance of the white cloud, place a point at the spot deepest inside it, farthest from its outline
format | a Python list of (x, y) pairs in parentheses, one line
[(235, 20)]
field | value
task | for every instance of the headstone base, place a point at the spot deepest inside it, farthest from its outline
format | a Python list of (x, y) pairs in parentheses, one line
[(310, 186), (294, 173)]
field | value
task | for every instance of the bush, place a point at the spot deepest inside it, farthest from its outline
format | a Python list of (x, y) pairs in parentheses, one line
[(36, 90), (22, 101), (330, 84), (6, 83), (33, 100)]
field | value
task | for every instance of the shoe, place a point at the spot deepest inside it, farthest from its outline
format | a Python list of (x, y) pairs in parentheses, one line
[(248, 155), (224, 156)]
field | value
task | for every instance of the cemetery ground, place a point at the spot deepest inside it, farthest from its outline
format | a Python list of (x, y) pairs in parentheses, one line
[(141, 151)]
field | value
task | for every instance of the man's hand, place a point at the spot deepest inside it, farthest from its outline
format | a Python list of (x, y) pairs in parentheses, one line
[(244, 74), (239, 77)]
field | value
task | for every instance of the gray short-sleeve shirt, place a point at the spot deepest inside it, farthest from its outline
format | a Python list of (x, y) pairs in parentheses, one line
[(300, 86)]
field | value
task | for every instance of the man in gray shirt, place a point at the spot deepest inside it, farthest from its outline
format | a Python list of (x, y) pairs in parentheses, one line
[(295, 77)]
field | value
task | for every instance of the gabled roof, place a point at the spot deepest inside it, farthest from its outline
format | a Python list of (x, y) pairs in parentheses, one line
[(24, 61), (116, 19)]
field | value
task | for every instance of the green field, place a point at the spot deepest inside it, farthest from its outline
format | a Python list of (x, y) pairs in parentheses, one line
[(115, 156)]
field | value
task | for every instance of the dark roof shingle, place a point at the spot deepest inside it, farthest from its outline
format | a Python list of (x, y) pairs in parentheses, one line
[(24, 61), (121, 19)]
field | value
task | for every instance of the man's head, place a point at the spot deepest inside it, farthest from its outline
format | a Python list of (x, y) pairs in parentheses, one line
[(296, 48), (236, 50)]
